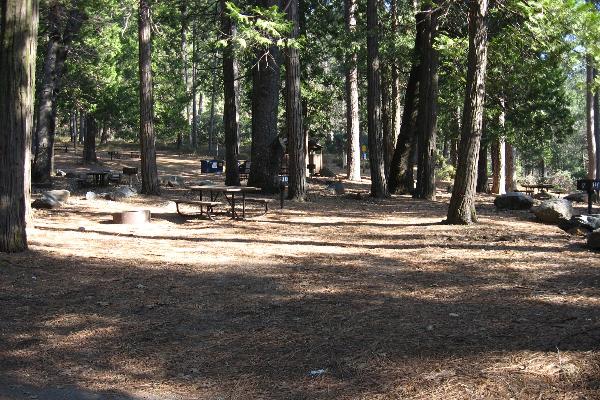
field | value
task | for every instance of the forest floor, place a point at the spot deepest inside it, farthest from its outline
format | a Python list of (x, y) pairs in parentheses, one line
[(340, 297)]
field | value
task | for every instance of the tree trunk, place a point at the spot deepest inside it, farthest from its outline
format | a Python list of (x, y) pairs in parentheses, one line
[(147, 138), (81, 127), (352, 119), (589, 118), (462, 205), (499, 166), (73, 127), (296, 144), (396, 101), (482, 171), (401, 168), (196, 103), (231, 90), (89, 143), (18, 42), (59, 43), (386, 120), (427, 117), (104, 134), (376, 159), (184, 70), (211, 121), (597, 126), (81, 130), (266, 157), (511, 171)]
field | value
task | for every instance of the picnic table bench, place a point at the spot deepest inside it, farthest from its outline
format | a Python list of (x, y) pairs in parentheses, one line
[(232, 195), (530, 189), (206, 207)]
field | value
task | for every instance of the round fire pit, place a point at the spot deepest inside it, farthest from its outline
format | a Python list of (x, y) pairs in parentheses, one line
[(132, 217)]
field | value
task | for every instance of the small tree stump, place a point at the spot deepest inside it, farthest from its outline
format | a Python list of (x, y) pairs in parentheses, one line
[(132, 217)]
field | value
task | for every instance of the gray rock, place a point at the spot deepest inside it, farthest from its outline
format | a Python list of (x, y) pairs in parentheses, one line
[(590, 222), (554, 211), (513, 201), (579, 197), (593, 241), (122, 192), (327, 172), (45, 203), (544, 196), (58, 195), (581, 224), (203, 183), (91, 196), (172, 181), (336, 188)]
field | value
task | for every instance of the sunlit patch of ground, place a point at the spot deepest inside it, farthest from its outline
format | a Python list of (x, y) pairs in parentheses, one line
[(380, 296)]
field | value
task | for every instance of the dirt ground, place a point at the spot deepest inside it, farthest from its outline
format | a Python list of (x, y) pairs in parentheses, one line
[(336, 298)]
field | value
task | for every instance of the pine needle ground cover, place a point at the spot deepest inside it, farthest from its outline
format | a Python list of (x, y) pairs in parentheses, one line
[(340, 297)]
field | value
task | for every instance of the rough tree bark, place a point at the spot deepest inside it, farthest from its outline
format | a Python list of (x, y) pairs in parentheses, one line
[(231, 89), (482, 170), (18, 43), (59, 44), (213, 99), (265, 151), (589, 118), (396, 104), (386, 120), (376, 159), (462, 206), (150, 183), (511, 171), (427, 117), (597, 125), (296, 144), (197, 104), (89, 141), (499, 166), (401, 168), (184, 69), (352, 121), (81, 127)]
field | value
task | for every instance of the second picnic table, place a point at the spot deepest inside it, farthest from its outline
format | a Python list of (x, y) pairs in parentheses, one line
[(529, 189), (229, 193)]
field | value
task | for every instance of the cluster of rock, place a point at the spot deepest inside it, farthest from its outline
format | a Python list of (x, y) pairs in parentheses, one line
[(335, 188), (557, 212), (51, 199), (122, 192)]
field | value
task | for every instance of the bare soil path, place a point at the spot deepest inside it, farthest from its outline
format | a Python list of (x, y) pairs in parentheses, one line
[(376, 298)]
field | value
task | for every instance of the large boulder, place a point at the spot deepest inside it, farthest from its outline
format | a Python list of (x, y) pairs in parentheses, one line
[(513, 201), (45, 203), (122, 192), (579, 197), (172, 181), (51, 199), (593, 241), (336, 188), (581, 224), (58, 195), (554, 211), (325, 171)]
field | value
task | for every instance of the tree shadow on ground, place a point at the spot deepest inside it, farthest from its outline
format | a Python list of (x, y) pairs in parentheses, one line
[(258, 332)]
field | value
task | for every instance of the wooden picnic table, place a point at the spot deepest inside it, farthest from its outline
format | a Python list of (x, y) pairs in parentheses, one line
[(100, 177), (530, 189), (229, 193)]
